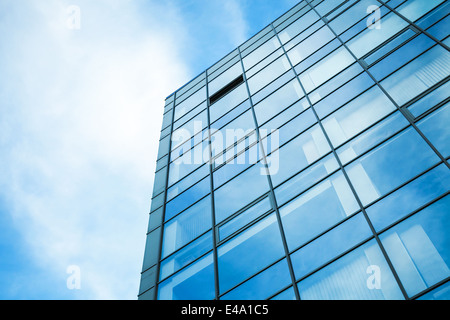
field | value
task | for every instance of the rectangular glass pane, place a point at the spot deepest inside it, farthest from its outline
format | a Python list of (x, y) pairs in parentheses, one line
[(326, 68), (418, 75), (362, 274), (391, 164), (419, 247), (188, 197), (268, 74), (362, 143), (414, 9), (306, 179), (330, 245), (317, 209), (199, 275), (240, 191), (410, 197), (370, 38), (357, 115), (437, 129), (244, 218), (186, 255), (278, 101), (297, 154), (262, 285), (228, 102), (249, 252), (187, 226)]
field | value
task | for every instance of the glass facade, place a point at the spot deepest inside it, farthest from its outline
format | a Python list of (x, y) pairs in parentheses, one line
[(312, 162)]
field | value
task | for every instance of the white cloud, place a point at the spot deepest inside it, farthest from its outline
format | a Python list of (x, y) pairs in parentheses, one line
[(82, 115)]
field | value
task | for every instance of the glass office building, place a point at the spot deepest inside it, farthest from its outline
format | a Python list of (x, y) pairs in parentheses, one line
[(312, 162)]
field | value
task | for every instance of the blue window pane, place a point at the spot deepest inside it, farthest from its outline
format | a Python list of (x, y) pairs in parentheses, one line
[(199, 275), (310, 45), (299, 25), (189, 103), (434, 16), (330, 245), (317, 210), (430, 100), (375, 135), (272, 71), (440, 293), (240, 191), (357, 115), (297, 154), (389, 165), (236, 165), (263, 285), (286, 295), (336, 82), (436, 128), (249, 252), (419, 247), (185, 183), (186, 255), (326, 68), (343, 94), (244, 218), (292, 128), (305, 179), (401, 56), (370, 38), (278, 101), (414, 9), (362, 274), (228, 102), (224, 78), (187, 226), (283, 117), (418, 75), (397, 41), (350, 16), (187, 198), (410, 197), (440, 29)]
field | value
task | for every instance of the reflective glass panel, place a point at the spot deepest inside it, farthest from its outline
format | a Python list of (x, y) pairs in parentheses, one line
[(187, 226), (389, 165), (249, 252), (330, 245), (436, 128), (242, 190), (263, 285), (410, 197), (419, 247), (357, 115), (317, 209), (362, 274), (199, 275)]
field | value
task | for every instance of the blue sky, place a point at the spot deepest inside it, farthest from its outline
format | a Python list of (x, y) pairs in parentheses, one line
[(80, 118)]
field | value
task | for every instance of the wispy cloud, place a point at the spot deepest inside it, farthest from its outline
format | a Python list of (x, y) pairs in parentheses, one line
[(81, 115)]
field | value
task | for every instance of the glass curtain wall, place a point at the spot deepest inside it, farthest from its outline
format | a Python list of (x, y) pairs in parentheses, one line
[(312, 162)]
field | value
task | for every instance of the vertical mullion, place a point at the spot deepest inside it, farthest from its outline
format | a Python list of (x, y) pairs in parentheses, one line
[(372, 228), (272, 193), (213, 215)]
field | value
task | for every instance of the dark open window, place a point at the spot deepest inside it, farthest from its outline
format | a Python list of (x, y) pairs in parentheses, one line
[(227, 89)]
